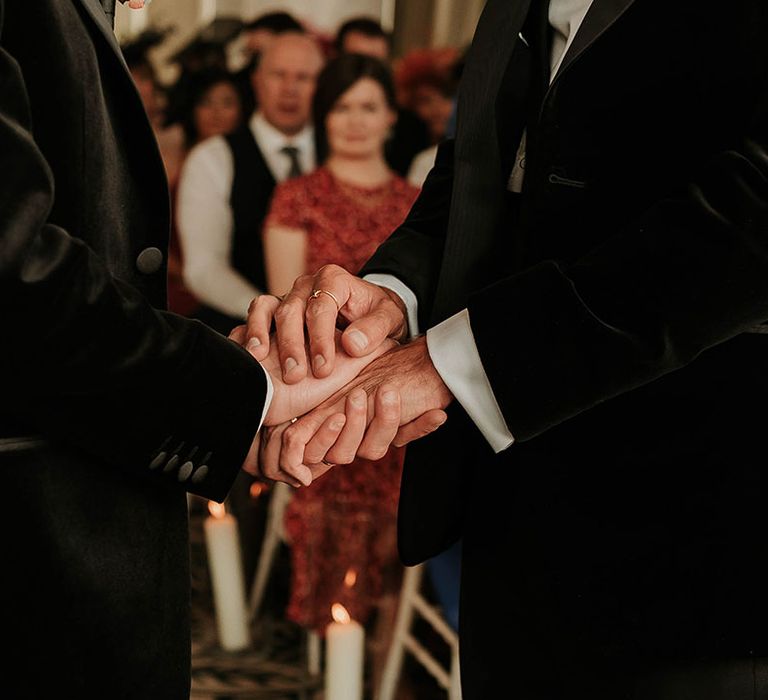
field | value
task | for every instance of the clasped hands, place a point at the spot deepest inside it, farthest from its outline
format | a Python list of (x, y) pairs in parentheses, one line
[(345, 383)]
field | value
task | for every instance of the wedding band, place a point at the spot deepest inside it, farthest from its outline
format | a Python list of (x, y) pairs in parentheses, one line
[(317, 292), (327, 463)]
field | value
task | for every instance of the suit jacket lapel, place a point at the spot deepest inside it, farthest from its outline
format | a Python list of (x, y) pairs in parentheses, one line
[(600, 16), (477, 157), (96, 12)]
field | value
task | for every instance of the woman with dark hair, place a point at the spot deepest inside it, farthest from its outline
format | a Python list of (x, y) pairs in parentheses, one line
[(342, 211), (344, 527), (213, 105)]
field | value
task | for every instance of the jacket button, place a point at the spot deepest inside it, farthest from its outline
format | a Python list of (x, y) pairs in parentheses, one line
[(185, 470), (157, 461), (172, 462), (150, 260), (200, 474)]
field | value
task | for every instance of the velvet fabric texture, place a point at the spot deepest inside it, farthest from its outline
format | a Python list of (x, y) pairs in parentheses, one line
[(131, 405), (614, 314)]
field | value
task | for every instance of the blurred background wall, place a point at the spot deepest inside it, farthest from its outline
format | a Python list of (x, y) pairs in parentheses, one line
[(413, 23)]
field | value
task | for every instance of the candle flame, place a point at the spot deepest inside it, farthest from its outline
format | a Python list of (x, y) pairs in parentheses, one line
[(350, 578), (340, 614), (217, 510)]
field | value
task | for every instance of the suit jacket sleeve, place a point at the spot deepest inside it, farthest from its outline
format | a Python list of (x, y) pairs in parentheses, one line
[(86, 360), (689, 273)]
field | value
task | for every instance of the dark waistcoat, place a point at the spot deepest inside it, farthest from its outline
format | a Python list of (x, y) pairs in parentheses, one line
[(252, 189)]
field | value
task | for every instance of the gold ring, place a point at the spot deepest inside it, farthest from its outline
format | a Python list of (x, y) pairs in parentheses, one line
[(317, 292), (327, 463)]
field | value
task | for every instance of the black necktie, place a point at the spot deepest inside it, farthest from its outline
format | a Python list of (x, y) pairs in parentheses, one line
[(109, 10), (524, 83), (293, 153)]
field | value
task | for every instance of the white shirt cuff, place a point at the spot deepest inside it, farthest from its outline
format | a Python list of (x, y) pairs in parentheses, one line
[(268, 398), (454, 353), (405, 293)]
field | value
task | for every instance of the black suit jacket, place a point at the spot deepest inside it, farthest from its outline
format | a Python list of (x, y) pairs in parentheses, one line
[(614, 322), (134, 405)]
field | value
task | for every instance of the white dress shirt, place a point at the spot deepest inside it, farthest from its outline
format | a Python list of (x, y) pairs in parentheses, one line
[(204, 216), (451, 344)]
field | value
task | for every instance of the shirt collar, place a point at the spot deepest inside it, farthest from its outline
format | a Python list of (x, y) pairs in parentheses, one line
[(271, 139)]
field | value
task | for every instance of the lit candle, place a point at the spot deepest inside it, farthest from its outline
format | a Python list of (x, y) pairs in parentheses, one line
[(227, 579), (345, 642)]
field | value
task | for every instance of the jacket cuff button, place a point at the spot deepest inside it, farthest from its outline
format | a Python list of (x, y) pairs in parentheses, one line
[(158, 460), (200, 474), (185, 470)]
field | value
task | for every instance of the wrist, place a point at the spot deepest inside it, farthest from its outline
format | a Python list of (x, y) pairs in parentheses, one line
[(400, 334)]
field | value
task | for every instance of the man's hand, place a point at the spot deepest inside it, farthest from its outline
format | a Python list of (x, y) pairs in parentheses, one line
[(342, 430), (370, 313), (408, 372), (292, 400)]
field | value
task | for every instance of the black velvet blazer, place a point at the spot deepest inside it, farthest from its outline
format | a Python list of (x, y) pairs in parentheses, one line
[(134, 405), (616, 319), (642, 240)]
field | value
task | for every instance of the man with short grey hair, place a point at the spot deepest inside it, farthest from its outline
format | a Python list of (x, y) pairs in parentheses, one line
[(226, 183)]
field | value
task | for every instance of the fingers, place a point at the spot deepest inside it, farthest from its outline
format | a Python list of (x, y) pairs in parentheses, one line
[(419, 427), (299, 453), (324, 439), (321, 316), (368, 332), (320, 302), (329, 294), (315, 452), (384, 425), (356, 410), (237, 334), (289, 329), (255, 338), (269, 461), (317, 424), (320, 468)]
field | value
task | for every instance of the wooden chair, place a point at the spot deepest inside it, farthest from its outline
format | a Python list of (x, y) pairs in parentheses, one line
[(403, 640)]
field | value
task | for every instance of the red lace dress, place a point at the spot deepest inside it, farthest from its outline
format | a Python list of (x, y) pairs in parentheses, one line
[(342, 528)]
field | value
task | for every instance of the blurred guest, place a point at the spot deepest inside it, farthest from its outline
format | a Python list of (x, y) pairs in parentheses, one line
[(339, 214), (410, 134), (155, 100), (363, 35), (215, 107), (145, 79), (227, 182), (254, 38), (204, 51), (426, 83), (424, 160), (259, 32)]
